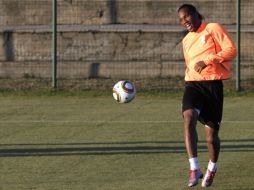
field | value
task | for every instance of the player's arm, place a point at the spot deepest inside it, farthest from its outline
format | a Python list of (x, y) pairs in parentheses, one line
[(227, 51)]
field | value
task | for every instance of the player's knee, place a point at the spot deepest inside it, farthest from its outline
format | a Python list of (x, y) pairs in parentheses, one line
[(190, 116), (212, 139)]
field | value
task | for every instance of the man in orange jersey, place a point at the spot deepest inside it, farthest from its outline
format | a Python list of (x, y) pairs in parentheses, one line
[(208, 50)]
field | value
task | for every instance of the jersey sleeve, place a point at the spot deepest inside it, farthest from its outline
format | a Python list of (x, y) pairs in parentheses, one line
[(226, 50)]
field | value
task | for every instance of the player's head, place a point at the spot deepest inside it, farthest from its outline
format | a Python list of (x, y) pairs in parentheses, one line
[(189, 17)]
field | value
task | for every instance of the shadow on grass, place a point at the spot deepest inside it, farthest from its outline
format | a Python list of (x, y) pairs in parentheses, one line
[(114, 148)]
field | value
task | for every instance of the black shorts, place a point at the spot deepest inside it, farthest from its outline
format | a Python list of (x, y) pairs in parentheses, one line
[(207, 97)]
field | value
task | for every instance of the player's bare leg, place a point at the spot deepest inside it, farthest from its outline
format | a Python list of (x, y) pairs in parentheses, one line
[(190, 134), (190, 139), (213, 144)]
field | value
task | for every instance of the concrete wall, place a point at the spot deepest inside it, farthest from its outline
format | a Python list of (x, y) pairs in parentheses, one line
[(102, 53), (17, 12), (99, 46), (99, 54)]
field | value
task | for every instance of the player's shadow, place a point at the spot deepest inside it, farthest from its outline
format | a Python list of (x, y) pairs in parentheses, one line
[(114, 148)]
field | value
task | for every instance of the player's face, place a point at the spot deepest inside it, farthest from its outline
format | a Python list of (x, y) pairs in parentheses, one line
[(190, 21)]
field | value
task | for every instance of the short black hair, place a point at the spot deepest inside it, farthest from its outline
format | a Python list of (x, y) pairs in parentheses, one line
[(191, 9)]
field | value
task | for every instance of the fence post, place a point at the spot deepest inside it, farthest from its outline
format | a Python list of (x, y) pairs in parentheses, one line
[(54, 43), (238, 42)]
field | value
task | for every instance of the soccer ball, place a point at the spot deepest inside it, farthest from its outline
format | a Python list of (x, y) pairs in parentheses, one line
[(124, 91)]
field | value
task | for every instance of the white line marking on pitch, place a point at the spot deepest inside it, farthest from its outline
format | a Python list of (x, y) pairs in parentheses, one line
[(104, 121)]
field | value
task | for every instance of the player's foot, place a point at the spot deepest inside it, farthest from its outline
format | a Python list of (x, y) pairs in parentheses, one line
[(208, 179), (194, 176)]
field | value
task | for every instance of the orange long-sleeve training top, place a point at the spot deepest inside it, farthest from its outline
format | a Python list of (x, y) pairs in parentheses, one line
[(212, 44)]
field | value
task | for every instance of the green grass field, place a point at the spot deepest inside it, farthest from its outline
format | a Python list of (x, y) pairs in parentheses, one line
[(91, 142)]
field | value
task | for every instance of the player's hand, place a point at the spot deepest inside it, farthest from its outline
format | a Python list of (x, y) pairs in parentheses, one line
[(199, 66)]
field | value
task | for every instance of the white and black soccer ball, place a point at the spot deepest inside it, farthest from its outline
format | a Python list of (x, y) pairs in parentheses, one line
[(124, 91)]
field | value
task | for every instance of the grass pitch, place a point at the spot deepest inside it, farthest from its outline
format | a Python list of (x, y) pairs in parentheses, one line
[(91, 142)]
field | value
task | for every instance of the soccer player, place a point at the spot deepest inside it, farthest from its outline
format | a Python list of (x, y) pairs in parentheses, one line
[(208, 51)]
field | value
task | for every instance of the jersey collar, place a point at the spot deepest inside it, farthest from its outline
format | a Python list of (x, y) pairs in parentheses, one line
[(201, 27)]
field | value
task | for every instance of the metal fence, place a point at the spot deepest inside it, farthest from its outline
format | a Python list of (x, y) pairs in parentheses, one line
[(101, 41)]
